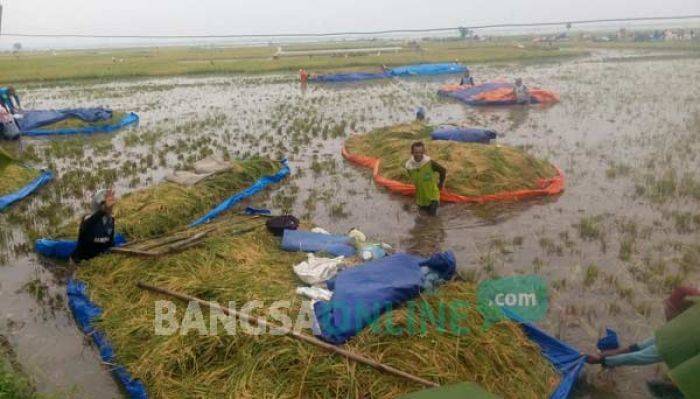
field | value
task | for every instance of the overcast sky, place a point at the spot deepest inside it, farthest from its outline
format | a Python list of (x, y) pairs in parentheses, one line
[(279, 16)]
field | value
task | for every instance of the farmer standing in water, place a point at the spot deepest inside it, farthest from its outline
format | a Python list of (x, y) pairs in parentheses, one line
[(428, 176)]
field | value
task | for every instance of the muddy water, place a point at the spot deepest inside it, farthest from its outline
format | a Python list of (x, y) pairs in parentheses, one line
[(617, 108)]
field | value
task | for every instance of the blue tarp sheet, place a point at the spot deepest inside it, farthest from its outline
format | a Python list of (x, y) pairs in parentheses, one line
[(85, 312), (38, 118), (258, 186), (566, 359), (362, 293), (307, 241), (350, 77), (129, 119), (61, 249), (468, 94), (9, 199), (402, 71), (428, 69), (463, 134)]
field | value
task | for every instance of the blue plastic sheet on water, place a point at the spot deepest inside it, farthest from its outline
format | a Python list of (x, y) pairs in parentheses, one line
[(350, 77), (463, 134), (62, 249), (85, 312), (566, 359), (129, 119), (361, 294), (38, 118), (467, 94), (609, 341), (258, 186), (401, 71), (307, 241), (428, 69), (9, 199)]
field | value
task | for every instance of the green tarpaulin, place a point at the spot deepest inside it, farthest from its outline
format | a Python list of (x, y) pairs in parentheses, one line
[(678, 342), (458, 391)]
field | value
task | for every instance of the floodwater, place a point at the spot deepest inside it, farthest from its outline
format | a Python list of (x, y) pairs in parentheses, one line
[(626, 134)]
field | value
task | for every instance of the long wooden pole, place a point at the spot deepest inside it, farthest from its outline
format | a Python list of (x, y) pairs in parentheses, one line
[(302, 337)]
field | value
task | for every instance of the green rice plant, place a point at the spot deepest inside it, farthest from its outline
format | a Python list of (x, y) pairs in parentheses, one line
[(472, 169)]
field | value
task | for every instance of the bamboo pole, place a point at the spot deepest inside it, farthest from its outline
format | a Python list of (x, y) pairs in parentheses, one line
[(300, 336)]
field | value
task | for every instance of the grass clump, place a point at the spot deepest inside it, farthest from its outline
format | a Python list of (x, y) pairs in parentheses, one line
[(472, 169), (251, 266), (13, 383), (77, 123), (15, 176)]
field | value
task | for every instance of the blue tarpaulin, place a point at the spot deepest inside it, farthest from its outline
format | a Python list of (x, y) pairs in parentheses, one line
[(362, 293), (350, 77), (402, 71), (38, 118), (258, 186), (567, 360), (62, 249), (129, 119), (9, 199), (428, 69), (463, 134), (85, 312), (307, 241)]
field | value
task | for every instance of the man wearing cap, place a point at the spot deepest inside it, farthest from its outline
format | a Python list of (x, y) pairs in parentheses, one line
[(96, 234)]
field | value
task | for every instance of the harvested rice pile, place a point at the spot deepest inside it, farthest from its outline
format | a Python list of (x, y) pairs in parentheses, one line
[(158, 209), (472, 169), (77, 123), (234, 266), (14, 176)]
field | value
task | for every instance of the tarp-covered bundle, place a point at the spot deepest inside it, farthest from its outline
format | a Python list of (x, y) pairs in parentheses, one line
[(402, 71), (428, 69), (363, 293), (495, 93), (11, 198), (38, 122), (463, 134), (307, 241)]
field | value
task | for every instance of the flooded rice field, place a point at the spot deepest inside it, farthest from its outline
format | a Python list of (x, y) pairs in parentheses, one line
[(626, 135)]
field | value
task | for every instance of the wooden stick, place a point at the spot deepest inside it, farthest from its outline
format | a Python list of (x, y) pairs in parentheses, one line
[(302, 337)]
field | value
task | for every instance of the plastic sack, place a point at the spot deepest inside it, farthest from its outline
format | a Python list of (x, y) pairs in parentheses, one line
[(315, 293), (315, 270), (306, 241)]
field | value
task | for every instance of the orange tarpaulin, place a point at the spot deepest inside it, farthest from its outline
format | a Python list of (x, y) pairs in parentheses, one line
[(551, 186)]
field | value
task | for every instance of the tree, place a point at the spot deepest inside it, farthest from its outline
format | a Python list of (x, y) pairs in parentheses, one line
[(16, 47)]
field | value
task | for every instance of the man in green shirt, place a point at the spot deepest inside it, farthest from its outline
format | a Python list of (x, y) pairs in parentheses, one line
[(428, 177)]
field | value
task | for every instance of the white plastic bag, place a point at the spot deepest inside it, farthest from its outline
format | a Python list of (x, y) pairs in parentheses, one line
[(315, 293), (317, 270)]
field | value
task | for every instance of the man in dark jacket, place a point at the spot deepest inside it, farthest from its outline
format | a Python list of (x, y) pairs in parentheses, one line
[(96, 234)]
